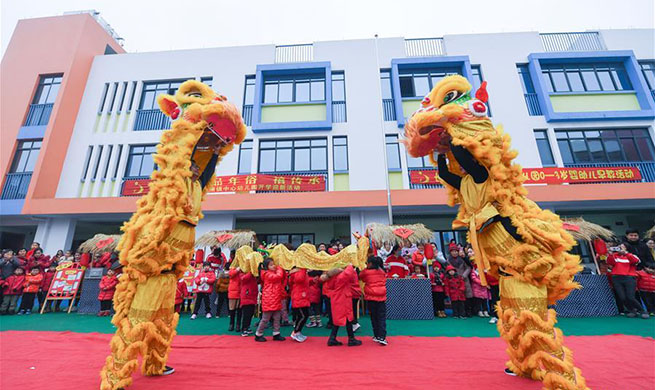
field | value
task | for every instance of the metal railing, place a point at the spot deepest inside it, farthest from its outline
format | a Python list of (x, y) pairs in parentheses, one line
[(303, 173), (16, 185), (647, 169), (424, 47), (39, 114), (338, 111), (389, 110), (413, 186), (294, 53), (534, 109), (247, 114), (152, 119), (572, 41)]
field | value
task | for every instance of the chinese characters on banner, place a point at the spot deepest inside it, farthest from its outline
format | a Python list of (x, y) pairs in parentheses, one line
[(553, 175), (243, 183), (65, 283)]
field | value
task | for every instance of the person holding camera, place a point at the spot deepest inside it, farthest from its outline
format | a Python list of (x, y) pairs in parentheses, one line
[(624, 279)]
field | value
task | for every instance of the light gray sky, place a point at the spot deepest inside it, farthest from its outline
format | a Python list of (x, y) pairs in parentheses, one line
[(152, 25)]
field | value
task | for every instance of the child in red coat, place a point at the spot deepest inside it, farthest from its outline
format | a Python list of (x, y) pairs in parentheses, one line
[(272, 279), (30, 289), (299, 285), (438, 294), (48, 275), (233, 295), (205, 282), (646, 286), (456, 291), (340, 285), (108, 285), (181, 292), (375, 293), (314, 300), (247, 301), (12, 288)]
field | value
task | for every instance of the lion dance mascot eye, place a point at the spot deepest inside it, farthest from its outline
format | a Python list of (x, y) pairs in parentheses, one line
[(158, 240), (525, 247)]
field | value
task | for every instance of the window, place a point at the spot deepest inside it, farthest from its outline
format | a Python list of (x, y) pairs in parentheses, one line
[(526, 79), (207, 80), (340, 153), (393, 152), (419, 162), (122, 98), (294, 89), (586, 77), (152, 89), (543, 145), (249, 91), (106, 170), (131, 98), (47, 90), (97, 164), (385, 83), (87, 162), (118, 162), (139, 161), (591, 146), (25, 157), (245, 157), (299, 155), (104, 98), (648, 70), (338, 87), (294, 239), (415, 83)]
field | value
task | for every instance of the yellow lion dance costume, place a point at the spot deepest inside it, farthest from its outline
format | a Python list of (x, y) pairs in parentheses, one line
[(158, 240), (514, 240)]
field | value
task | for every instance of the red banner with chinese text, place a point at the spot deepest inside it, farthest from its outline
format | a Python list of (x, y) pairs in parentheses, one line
[(552, 175), (243, 183), (65, 283)]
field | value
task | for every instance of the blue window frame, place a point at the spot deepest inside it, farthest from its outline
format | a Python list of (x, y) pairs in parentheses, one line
[(154, 88), (590, 77), (545, 153), (611, 145), (139, 161), (340, 154), (245, 157), (297, 88), (648, 70), (48, 88), (297, 155), (25, 156)]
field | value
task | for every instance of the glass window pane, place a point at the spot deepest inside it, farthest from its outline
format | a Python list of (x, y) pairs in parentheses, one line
[(283, 160), (435, 78), (385, 84), (302, 92), (421, 85), (414, 162), (407, 87), (590, 80), (596, 149), (620, 77), (545, 152), (580, 151), (301, 143), (148, 99), (540, 134), (147, 165), (606, 80), (135, 165), (270, 93), (249, 97), (284, 144), (613, 150), (319, 159), (319, 142), (527, 81), (575, 81), (547, 81), (561, 135), (559, 81), (645, 148), (20, 160), (245, 159), (393, 156), (36, 145), (575, 134), (301, 162), (341, 158), (339, 141), (307, 237), (629, 149), (285, 93), (296, 240), (31, 160), (649, 75), (338, 90), (267, 160), (565, 151), (52, 95), (267, 145), (318, 91)]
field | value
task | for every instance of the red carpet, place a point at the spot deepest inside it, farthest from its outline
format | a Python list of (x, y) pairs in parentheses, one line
[(53, 360)]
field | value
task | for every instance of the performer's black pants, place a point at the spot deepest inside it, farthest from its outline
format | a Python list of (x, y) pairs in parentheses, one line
[(300, 315), (247, 312), (625, 287), (495, 296), (355, 313), (378, 311), (349, 329)]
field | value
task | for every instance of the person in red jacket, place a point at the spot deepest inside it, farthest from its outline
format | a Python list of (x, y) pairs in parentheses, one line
[(181, 292), (48, 275), (624, 279), (375, 293), (102, 260), (84, 259), (456, 290), (22, 258), (40, 260), (205, 282), (299, 285), (35, 245), (12, 288), (646, 286), (108, 285), (272, 279), (247, 300), (438, 295), (233, 294), (31, 288), (216, 259), (340, 282), (396, 264), (314, 299)]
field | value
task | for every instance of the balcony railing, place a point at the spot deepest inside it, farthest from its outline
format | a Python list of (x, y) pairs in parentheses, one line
[(247, 114), (152, 119), (572, 41), (534, 109), (16, 185), (324, 174), (294, 53), (413, 186), (647, 169), (338, 111), (39, 114), (424, 47), (389, 110)]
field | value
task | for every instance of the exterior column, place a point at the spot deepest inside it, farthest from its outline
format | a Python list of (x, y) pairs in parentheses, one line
[(359, 219), (55, 233)]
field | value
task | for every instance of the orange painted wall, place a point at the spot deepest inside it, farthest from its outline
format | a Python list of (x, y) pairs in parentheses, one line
[(62, 44)]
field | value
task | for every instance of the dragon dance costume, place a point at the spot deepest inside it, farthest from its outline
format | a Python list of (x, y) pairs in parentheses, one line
[(525, 247), (158, 240)]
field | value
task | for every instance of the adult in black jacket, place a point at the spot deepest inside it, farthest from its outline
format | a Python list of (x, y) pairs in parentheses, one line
[(638, 248)]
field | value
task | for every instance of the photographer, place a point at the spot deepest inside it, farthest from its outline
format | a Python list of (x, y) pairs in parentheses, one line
[(624, 279)]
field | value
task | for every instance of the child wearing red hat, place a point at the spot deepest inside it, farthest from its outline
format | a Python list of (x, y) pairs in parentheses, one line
[(455, 290)]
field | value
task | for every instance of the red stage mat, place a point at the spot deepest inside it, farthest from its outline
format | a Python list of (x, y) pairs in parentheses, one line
[(64, 360)]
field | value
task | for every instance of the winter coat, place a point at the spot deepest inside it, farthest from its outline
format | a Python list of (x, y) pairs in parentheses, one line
[(32, 283), (641, 250), (299, 285), (85, 260), (14, 285), (464, 271), (623, 264), (222, 284), (479, 291), (375, 284), (248, 289), (341, 296), (181, 292), (645, 281), (397, 266), (47, 280), (272, 290), (314, 290), (42, 262), (205, 281), (234, 289), (455, 287), (7, 267), (103, 262), (107, 287), (436, 279), (216, 262)]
